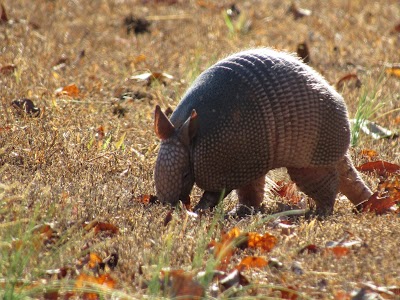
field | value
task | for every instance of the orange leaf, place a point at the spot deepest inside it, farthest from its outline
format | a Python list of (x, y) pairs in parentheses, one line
[(393, 71), (347, 78), (369, 153), (140, 58), (69, 90), (5, 128), (106, 227), (288, 190), (338, 251), (100, 133), (342, 295), (182, 285), (252, 262), (265, 242), (380, 166), (290, 295), (377, 204), (105, 280), (145, 199), (94, 260), (232, 234), (224, 249), (101, 226)]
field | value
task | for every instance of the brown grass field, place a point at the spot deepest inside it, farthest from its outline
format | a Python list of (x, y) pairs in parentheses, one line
[(89, 155)]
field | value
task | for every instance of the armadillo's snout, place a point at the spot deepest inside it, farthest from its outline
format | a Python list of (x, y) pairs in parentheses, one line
[(172, 175)]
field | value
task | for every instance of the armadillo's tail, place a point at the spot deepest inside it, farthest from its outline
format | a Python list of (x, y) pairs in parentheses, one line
[(351, 184)]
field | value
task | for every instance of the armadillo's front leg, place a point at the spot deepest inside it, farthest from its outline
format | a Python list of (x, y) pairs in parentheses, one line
[(321, 184), (210, 199), (250, 197), (252, 194), (351, 184)]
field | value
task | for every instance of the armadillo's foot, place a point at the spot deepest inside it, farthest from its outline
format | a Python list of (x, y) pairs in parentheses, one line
[(252, 194), (350, 182), (321, 184), (209, 200), (241, 211)]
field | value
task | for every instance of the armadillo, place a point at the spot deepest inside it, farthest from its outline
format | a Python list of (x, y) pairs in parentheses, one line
[(249, 113)]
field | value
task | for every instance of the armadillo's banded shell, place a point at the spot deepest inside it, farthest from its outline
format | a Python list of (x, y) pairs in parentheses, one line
[(261, 109)]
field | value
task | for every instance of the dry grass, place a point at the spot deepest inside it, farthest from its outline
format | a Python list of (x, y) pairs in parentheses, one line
[(56, 169)]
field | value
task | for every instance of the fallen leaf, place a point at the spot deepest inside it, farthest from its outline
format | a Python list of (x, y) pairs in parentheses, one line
[(233, 11), (112, 260), (382, 168), (168, 218), (140, 58), (298, 12), (385, 290), (396, 28), (182, 285), (310, 249), (303, 52), (106, 227), (145, 199), (290, 294), (376, 131), (26, 106), (136, 25), (234, 279), (94, 260), (101, 226), (251, 262), (264, 242), (5, 129), (100, 133), (338, 251), (208, 5), (369, 153), (70, 90), (103, 280), (224, 249), (61, 63), (8, 69), (150, 77), (351, 77), (289, 191), (378, 204), (342, 295), (3, 17), (393, 71)]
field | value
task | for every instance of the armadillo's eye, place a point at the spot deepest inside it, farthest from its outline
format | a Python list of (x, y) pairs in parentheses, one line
[(186, 175)]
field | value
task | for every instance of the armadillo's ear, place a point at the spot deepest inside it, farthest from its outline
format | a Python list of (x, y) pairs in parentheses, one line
[(189, 128), (162, 126)]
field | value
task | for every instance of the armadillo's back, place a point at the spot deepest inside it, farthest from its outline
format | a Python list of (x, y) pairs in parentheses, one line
[(261, 109)]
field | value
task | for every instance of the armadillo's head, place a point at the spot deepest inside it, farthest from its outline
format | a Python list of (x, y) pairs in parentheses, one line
[(173, 174)]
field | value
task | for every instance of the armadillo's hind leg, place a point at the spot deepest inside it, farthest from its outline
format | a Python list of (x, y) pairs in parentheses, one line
[(351, 184), (321, 184)]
